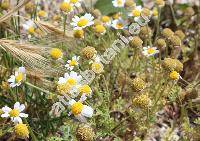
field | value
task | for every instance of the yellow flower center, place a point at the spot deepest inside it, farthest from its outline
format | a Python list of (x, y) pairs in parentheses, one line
[(14, 113), (31, 30), (73, 63), (76, 108), (174, 75), (71, 81), (78, 33), (136, 13), (119, 25), (119, 2), (56, 53), (85, 89), (21, 130), (99, 28), (41, 13), (19, 77), (151, 51), (97, 67), (105, 19), (63, 88), (65, 7), (73, 1), (82, 22)]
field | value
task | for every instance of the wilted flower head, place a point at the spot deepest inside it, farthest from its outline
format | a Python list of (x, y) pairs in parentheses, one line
[(160, 3), (138, 84), (145, 32), (79, 33), (88, 52), (130, 4), (66, 7), (172, 65), (167, 33), (142, 101), (100, 29), (30, 7), (160, 43), (189, 11), (21, 130), (136, 42), (85, 133), (175, 40), (96, 13), (5, 5), (180, 34)]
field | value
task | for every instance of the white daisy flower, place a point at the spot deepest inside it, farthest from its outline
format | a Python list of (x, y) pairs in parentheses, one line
[(96, 65), (18, 78), (150, 51), (72, 63), (73, 78), (118, 24), (15, 114), (79, 110), (76, 3), (118, 3), (136, 12), (82, 22), (29, 26), (106, 20)]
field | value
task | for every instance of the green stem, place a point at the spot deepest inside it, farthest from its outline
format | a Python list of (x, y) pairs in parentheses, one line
[(40, 89), (173, 14)]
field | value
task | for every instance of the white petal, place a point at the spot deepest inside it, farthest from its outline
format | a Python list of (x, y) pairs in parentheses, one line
[(16, 120), (6, 109), (87, 111), (22, 107), (17, 105), (23, 115), (22, 69), (5, 115), (71, 102)]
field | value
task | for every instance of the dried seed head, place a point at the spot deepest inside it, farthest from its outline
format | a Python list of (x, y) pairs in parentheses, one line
[(21, 130), (167, 32), (5, 86), (136, 42), (30, 7), (145, 32), (160, 43), (138, 84), (146, 12), (123, 79), (160, 3), (97, 22), (189, 11), (172, 65), (180, 34), (142, 101), (78, 34), (175, 40), (88, 52), (129, 3), (96, 13), (85, 133), (5, 5)]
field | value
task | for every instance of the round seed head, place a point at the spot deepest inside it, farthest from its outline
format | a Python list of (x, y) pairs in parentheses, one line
[(167, 32), (136, 42), (180, 34), (138, 84), (85, 133), (175, 40), (172, 65), (88, 52), (145, 32)]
